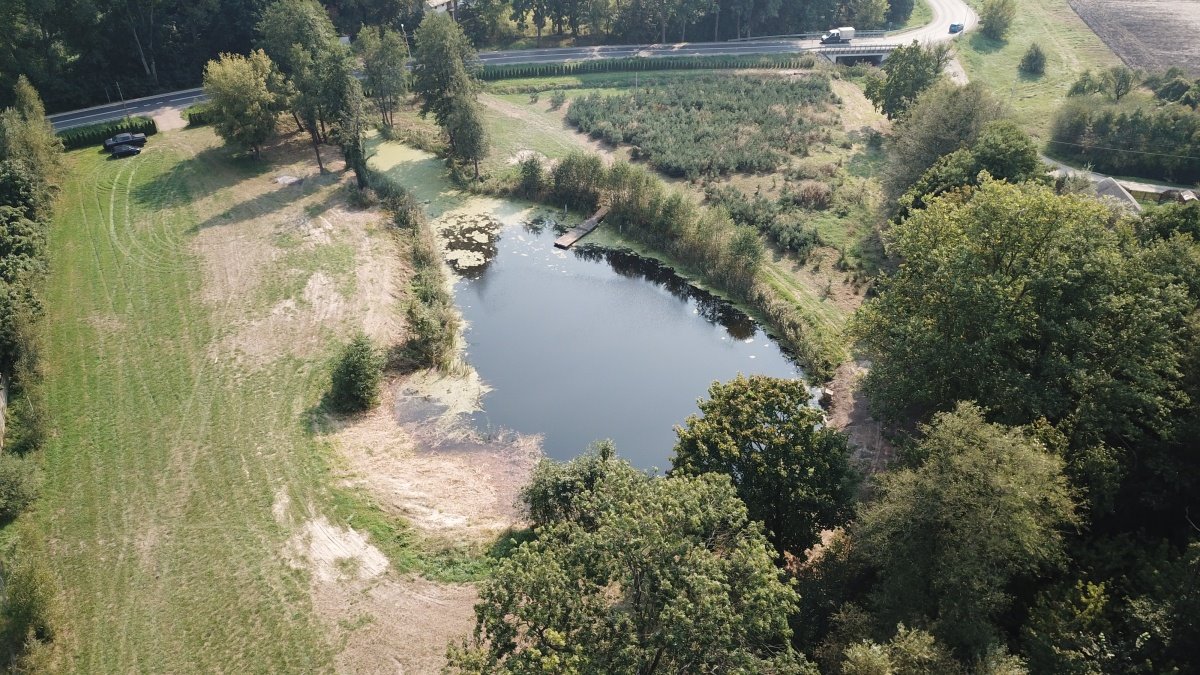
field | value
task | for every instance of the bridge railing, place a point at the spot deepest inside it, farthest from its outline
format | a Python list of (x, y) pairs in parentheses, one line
[(847, 50)]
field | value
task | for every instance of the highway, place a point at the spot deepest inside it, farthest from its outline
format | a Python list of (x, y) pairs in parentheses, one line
[(945, 12)]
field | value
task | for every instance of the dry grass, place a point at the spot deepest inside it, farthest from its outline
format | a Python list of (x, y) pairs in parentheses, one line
[(193, 306)]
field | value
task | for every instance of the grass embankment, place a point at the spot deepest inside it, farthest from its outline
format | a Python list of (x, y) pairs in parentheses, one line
[(193, 306), (1070, 46)]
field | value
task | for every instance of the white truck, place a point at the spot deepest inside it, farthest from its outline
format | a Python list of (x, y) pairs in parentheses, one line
[(838, 36)]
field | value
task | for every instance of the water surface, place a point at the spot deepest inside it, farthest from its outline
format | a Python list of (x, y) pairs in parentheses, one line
[(585, 344)]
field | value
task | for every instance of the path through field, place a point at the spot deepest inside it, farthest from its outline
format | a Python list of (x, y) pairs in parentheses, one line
[(193, 304)]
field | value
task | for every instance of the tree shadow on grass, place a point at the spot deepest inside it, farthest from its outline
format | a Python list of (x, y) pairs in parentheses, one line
[(209, 171), (269, 202), (986, 45)]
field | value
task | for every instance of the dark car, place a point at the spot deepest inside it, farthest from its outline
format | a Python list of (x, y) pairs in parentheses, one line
[(956, 28), (125, 139), (125, 150)]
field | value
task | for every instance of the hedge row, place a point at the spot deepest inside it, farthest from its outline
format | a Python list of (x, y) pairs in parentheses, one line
[(94, 134), (198, 115), (631, 64)]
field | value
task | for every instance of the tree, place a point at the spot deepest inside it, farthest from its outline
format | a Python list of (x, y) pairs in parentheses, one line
[(385, 77), (996, 17), (464, 125), (943, 119), (242, 98), (948, 536), (357, 376), (294, 32), (27, 136), (908, 71), (1118, 81), (661, 575), (1024, 301), (352, 132), (793, 473), (538, 10), (1003, 150), (441, 56)]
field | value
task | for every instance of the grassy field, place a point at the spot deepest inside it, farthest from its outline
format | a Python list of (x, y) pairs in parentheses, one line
[(1071, 48), (185, 355)]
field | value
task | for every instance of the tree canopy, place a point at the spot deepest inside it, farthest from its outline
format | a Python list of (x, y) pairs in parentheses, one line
[(908, 71), (243, 99), (985, 505), (793, 474), (643, 575), (1032, 304)]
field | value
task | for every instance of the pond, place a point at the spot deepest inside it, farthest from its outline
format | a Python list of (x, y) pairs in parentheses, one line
[(584, 344)]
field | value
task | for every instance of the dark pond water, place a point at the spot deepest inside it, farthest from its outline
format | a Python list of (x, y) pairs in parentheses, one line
[(579, 345), (588, 344)]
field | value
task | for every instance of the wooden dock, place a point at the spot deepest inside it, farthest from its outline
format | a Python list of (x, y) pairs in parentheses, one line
[(568, 240)]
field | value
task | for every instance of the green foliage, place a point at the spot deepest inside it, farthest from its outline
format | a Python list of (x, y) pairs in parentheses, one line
[(709, 125), (30, 604), (557, 491), (943, 119), (985, 507), (659, 575), (532, 181), (996, 18), (1119, 81), (294, 32), (1041, 300), (198, 115), (634, 64), (385, 78), (94, 134), (443, 62), (352, 132), (464, 124), (908, 71), (557, 100), (788, 230), (1159, 142), (910, 652), (1003, 150), (356, 376), (1034, 61), (18, 485), (577, 181), (242, 102), (793, 474)]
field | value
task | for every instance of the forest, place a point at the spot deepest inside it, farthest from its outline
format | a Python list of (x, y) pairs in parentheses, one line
[(77, 55)]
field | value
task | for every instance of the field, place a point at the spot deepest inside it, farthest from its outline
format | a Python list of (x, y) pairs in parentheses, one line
[(1071, 48), (1150, 35), (196, 501)]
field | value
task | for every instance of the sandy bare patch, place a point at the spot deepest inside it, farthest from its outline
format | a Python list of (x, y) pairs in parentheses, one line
[(332, 552), (167, 119), (850, 412)]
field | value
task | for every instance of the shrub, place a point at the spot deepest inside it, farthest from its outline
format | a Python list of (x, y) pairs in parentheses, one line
[(557, 100), (357, 376), (709, 125), (812, 194), (198, 115), (18, 485), (1034, 61), (997, 17), (94, 134), (532, 181)]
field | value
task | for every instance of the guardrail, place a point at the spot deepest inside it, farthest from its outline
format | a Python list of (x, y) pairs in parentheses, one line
[(810, 36), (854, 49)]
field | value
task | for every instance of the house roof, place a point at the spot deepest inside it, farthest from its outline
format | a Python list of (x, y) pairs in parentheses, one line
[(1108, 188)]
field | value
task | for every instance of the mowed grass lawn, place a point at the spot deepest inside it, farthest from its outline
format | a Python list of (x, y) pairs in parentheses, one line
[(1070, 46), (167, 457)]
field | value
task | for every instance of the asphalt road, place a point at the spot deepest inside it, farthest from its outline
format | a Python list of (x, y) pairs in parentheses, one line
[(945, 12)]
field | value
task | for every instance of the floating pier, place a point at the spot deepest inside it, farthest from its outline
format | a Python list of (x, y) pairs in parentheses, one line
[(578, 232)]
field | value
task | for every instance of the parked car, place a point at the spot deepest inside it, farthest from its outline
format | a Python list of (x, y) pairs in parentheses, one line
[(125, 150), (956, 28), (125, 139)]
